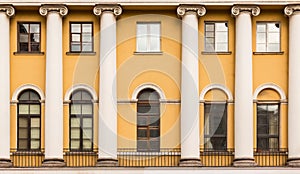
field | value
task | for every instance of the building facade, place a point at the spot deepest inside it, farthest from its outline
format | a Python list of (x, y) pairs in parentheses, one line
[(153, 83)]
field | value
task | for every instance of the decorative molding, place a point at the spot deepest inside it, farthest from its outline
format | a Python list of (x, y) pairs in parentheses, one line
[(270, 86), (290, 9), (184, 9), (145, 86), (235, 10), (17, 92), (216, 86), (99, 9), (8, 9), (61, 9), (80, 86)]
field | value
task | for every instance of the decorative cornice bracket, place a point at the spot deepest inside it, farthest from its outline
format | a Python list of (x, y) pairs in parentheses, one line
[(61, 9), (290, 9), (99, 9), (235, 10), (8, 9), (184, 9)]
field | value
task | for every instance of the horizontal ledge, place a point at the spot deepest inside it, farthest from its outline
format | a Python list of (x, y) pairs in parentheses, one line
[(29, 53), (216, 53), (268, 53), (148, 53), (81, 53)]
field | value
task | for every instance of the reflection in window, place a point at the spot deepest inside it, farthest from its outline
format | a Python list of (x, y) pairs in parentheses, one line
[(268, 37), (81, 37), (29, 121), (216, 37), (268, 126), (148, 37), (148, 121), (29, 37), (215, 131), (81, 121)]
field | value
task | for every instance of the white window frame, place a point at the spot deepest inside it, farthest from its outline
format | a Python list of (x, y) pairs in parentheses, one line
[(266, 43), (149, 35), (215, 43)]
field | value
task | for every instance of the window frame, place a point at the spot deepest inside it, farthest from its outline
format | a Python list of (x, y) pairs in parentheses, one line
[(214, 48), (266, 44), (29, 42), (28, 118), (148, 34), (81, 139), (268, 136), (81, 33)]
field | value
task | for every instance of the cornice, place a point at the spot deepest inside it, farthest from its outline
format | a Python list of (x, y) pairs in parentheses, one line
[(99, 9), (184, 9), (61, 9), (237, 9), (8, 9)]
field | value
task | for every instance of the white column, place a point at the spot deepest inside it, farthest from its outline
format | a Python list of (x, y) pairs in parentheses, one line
[(54, 84), (190, 154), (293, 11), (243, 113), (107, 135), (5, 13)]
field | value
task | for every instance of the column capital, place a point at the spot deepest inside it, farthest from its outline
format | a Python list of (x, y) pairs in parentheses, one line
[(61, 9), (254, 10), (291, 9), (99, 9), (8, 9), (184, 9)]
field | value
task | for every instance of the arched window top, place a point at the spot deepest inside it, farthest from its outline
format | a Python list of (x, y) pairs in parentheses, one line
[(219, 90), (81, 95), (148, 94), (29, 95), (271, 91)]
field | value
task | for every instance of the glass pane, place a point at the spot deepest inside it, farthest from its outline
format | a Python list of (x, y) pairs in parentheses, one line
[(142, 132), (154, 145), (209, 34), (87, 109), (87, 144), (263, 129), (221, 47), (154, 121), (75, 109), (154, 133), (23, 144), (75, 122), (75, 47), (261, 38), (261, 48), (75, 28), (273, 48), (23, 122), (221, 37), (35, 144), (35, 133), (141, 44), (34, 96), (141, 30), (34, 109), (87, 28), (76, 96), (262, 143), (87, 122), (273, 27), (143, 108), (75, 37), (155, 30), (75, 144), (142, 121), (34, 28), (23, 133), (87, 47), (23, 46), (35, 47), (86, 37), (86, 96), (273, 143), (221, 26), (261, 28), (142, 145), (35, 38), (24, 28), (87, 133), (154, 44), (23, 109), (218, 143), (209, 27), (75, 133), (24, 38), (35, 122), (273, 37)]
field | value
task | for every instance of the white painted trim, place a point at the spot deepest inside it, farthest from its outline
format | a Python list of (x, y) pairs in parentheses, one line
[(151, 86), (269, 86), (80, 86), (25, 87), (216, 86)]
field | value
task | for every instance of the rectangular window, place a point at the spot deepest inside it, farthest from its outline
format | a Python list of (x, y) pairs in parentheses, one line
[(215, 128), (216, 37), (29, 34), (268, 37), (268, 127), (148, 37), (81, 37)]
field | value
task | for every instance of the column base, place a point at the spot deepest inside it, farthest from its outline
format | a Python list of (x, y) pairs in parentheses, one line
[(190, 162), (53, 162), (293, 162), (5, 163), (107, 162), (244, 162)]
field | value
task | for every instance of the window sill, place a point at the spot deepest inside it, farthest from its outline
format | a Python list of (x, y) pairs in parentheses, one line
[(268, 53), (29, 53), (216, 53), (148, 53), (81, 53)]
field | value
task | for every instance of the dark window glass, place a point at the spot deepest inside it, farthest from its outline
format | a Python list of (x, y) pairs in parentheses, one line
[(29, 37), (215, 128), (268, 126), (81, 37), (81, 121), (29, 121), (148, 121)]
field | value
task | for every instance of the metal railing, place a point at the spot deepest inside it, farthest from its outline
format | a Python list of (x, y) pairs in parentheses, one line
[(80, 158), (22, 158), (271, 158), (216, 158), (130, 157)]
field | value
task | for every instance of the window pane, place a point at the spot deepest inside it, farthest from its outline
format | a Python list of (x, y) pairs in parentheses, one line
[(75, 144), (87, 144), (221, 37), (76, 96), (142, 145), (142, 121), (261, 47), (35, 122), (75, 109), (34, 28), (23, 46), (87, 109), (75, 37), (75, 28), (86, 96), (261, 38), (35, 38), (209, 27), (154, 121), (87, 133), (24, 28), (273, 143), (261, 28), (142, 133), (34, 96), (154, 145), (23, 133), (23, 122), (87, 28), (35, 47), (273, 27), (87, 122), (35, 144), (75, 122), (154, 133), (273, 37), (35, 133), (23, 109), (75, 133), (263, 143), (24, 38), (86, 37), (142, 43), (209, 34), (154, 44), (34, 109), (154, 29), (141, 30), (23, 144), (87, 47), (221, 47), (273, 48), (221, 26), (210, 41), (75, 47)]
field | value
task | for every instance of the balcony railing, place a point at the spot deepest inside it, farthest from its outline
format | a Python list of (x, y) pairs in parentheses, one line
[(80, 158), (32, 158), (271, 158), (217, 158)]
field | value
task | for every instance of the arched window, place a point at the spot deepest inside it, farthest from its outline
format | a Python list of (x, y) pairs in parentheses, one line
[(81, 121), (148, 121), (29, 121)]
